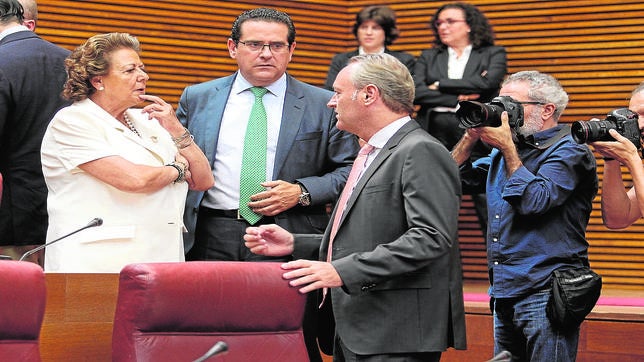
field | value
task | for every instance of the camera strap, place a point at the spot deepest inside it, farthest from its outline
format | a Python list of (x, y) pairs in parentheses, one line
[(565, 130)]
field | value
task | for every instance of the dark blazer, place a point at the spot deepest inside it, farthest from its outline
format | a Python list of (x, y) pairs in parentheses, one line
[(396, 250), (32, 74), (341, 60), (484, 72), (307, 124)]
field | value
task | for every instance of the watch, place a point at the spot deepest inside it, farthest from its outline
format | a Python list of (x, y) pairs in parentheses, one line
[(305, 196)]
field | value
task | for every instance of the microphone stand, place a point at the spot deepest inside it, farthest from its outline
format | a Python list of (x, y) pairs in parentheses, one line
[(95, 222)]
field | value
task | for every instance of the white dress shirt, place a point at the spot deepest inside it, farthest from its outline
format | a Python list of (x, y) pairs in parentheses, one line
[(230, 145), (455, 69)]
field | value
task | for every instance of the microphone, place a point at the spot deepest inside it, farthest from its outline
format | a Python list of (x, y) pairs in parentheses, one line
[(219, 347), (504, 356), (97, 221)]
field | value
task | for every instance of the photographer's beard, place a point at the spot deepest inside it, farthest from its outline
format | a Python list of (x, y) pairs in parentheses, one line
[(532, 123)]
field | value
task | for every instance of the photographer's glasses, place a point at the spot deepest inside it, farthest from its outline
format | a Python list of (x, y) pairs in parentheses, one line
[(532, 102)]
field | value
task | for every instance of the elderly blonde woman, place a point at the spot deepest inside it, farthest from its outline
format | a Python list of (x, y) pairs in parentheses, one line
[(130, 167)]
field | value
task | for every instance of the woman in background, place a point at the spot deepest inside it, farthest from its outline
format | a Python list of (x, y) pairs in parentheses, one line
[(375, 29), (130, 167), (463, 65)]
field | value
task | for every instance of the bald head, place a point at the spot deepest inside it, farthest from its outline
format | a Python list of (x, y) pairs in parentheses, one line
[(30, 13)]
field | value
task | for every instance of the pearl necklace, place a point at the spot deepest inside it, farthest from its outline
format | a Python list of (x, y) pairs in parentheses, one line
[(130, 125)]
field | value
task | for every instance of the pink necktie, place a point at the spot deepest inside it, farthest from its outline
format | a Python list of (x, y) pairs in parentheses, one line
[(356, 170)]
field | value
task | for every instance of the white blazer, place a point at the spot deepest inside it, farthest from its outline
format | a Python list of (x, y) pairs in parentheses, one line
[(136, 227)]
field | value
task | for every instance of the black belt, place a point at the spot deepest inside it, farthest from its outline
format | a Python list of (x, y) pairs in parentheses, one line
[(232, 214)]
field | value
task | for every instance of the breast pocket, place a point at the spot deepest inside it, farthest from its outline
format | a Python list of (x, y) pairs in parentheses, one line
[(307, 153)]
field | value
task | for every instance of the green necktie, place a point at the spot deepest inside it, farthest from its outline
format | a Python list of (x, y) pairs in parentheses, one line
[(253, 169)]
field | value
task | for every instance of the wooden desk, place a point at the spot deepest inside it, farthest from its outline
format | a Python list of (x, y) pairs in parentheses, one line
[(80, 311), (78, 317)]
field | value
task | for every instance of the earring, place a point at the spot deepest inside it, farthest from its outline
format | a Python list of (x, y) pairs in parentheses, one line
[(101, 88)]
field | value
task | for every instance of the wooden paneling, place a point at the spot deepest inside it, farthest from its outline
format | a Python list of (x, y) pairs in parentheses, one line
[(79, 315), (592, 46)]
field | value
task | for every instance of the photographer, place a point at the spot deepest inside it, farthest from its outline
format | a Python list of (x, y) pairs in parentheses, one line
[(620, 208), (540, 188)]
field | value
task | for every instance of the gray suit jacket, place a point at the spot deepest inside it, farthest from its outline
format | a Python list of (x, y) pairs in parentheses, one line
[(310, 149), (397, 253)]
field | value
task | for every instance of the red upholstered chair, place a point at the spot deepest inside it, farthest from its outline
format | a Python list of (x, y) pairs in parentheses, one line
[(178, 311), (22, 309)]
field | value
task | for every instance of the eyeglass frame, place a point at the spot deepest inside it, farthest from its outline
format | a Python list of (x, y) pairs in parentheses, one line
[(270, 46), (535, 103), (449, 22)]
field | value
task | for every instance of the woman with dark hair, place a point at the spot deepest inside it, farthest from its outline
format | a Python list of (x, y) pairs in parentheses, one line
[(375, 29), (463, 65)]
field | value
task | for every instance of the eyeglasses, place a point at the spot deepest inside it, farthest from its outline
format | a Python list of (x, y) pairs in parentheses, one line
[(258, 46), (449, 22), (532, 102)]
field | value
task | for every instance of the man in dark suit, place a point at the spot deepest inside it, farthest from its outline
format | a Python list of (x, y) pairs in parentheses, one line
[(32, 75), (307, 157), (390, 258)]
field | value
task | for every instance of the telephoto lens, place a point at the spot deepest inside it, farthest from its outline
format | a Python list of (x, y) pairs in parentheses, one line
[(623, 120), (590, 131), (475, 114)]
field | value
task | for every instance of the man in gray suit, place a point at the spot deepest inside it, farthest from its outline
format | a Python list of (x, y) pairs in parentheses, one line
[(391, 259), (307, 157), (32, 74)]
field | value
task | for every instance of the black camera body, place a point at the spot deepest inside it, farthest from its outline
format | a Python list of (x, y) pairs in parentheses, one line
[(475, 114), (623, 120)]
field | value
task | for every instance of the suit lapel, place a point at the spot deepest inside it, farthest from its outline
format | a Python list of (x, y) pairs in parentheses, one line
[(292, 114), (473, 64), (214, 113), (382, 156), (150, 136), (95, 111), (442, 61)]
